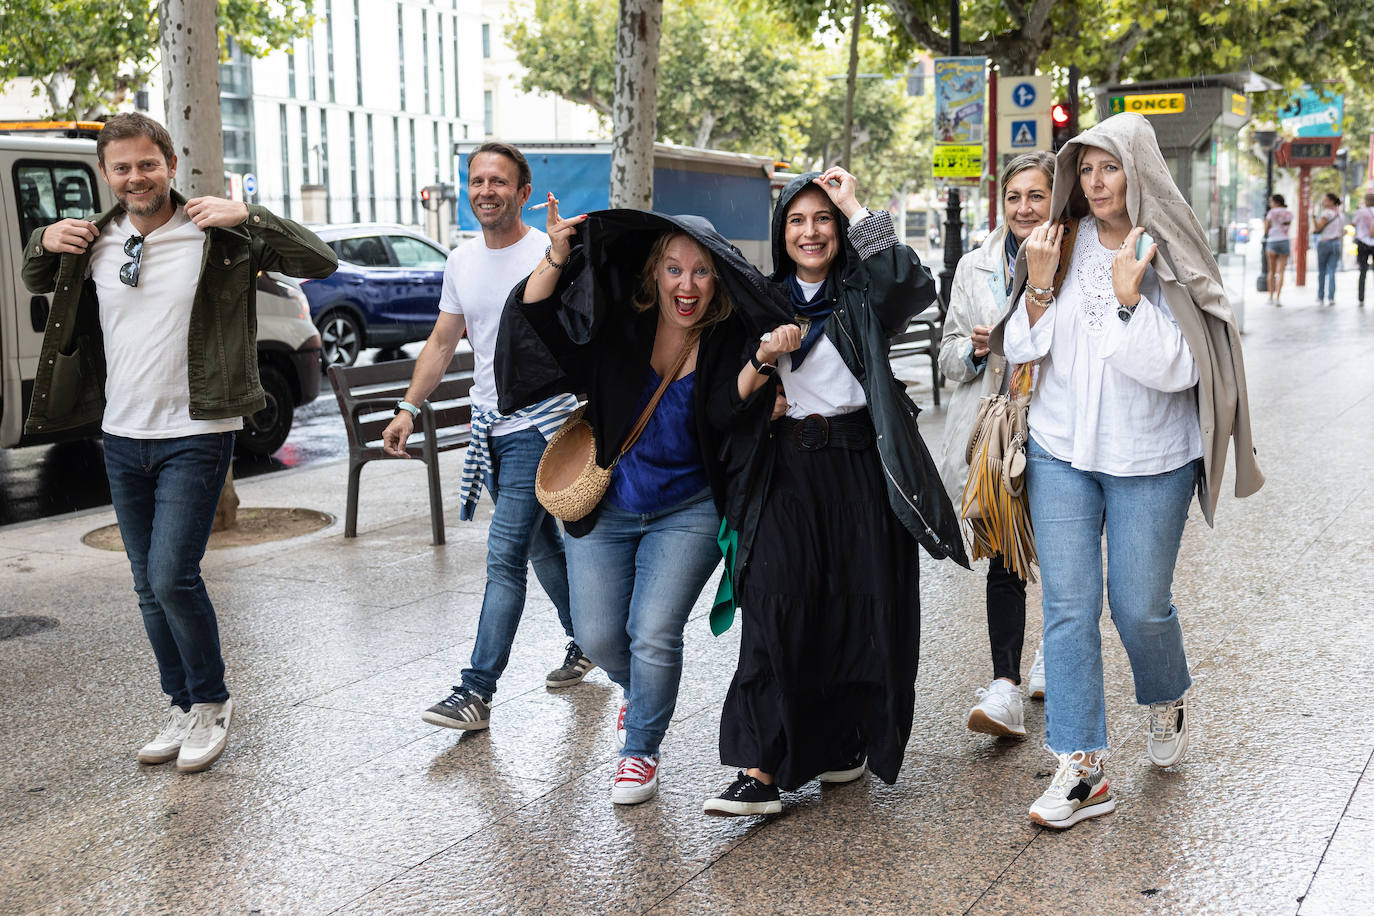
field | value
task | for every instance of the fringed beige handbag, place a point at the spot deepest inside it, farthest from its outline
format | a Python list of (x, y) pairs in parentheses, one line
[(996, 511), (569, 483)]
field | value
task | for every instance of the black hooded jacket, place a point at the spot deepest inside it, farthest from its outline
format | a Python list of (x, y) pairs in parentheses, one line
[(878, 291), (587, 338)]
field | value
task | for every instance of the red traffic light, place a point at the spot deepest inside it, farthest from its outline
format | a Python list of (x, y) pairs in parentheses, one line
[(1059, 114), (424, 194)]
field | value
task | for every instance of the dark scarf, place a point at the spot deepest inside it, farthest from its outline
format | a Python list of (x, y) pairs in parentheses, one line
[(816, 309), (1010, 246)]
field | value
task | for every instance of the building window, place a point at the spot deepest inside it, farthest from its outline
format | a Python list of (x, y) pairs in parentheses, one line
[(396, 164), (443, 83), (324, 166), (285, 164), (353, 166), (329, 44), (305, 149), (438, 175), (357, 54), (424, 53), (449, 155), (291, 74), (414, 180), (488, 113), (457, 98), (310, 67), (236, 111), (401, 50), (371, 174), (486, 40)]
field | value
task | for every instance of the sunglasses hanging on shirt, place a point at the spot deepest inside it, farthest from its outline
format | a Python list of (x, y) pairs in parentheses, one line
[(128, 274)]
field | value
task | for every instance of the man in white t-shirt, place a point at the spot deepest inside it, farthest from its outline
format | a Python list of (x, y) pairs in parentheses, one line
[(151, 333), (505, 449)]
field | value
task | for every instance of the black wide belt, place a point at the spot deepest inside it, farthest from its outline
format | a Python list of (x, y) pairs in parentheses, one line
[(812, 433)]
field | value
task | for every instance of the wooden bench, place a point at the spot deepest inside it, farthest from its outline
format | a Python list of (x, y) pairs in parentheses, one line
[(367, 398), (922, 338)]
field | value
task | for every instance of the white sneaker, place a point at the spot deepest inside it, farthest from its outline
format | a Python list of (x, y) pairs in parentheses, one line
[(1168, 740), (167, 744), (1035, 685), (209, 734), (1077, 792), (636, 780), (999, 712)]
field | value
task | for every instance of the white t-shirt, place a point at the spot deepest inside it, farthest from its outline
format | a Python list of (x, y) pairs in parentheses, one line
[(147, 393), (823, 384), (1335, 222), (477, 281), (1364, 225), (1111, 397), (1279, 220)]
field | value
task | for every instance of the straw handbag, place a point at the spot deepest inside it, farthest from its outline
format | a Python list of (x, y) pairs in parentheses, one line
[(996, 511), (569, 482)]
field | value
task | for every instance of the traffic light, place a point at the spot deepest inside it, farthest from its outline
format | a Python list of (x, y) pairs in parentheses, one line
[(1061, 121)]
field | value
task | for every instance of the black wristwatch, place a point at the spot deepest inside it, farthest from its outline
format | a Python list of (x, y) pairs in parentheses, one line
[(761, 368)]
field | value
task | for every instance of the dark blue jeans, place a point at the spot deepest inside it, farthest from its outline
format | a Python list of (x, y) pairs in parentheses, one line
[(1328, 261), (165, 492), (521, 533)]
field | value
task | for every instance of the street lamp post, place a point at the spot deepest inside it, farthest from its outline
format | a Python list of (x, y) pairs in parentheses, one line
[(1267, 140), (954, 243)]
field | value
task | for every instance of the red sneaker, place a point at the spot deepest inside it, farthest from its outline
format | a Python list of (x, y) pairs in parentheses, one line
[(636, 780)]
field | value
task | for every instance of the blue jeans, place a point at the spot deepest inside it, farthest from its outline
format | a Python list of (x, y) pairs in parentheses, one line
[(635, 579), (165, 492), (521, 534), (1328, 259), (1143, 519)]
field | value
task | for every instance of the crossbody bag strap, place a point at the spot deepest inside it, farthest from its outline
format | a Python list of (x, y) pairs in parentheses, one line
[(643, 421)]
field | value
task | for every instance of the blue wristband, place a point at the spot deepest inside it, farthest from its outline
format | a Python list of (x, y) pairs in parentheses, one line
[(407, 406)]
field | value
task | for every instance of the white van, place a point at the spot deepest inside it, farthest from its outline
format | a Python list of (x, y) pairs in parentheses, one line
[(44, 179)]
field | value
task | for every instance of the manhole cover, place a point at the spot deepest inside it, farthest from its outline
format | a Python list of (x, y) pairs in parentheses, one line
[(10, 627), (255, 526)]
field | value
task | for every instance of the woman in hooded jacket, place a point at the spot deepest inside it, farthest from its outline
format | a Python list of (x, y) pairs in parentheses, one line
[(982, 285), (842, 490), (639, 303), (1140, 386)]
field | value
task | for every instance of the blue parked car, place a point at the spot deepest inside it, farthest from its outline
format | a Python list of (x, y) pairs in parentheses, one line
[(384, 294)]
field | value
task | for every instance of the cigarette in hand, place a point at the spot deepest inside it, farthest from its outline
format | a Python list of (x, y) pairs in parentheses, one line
[(539, 206)]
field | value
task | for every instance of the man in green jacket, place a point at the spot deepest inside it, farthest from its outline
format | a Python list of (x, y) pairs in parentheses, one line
[(153, 333)]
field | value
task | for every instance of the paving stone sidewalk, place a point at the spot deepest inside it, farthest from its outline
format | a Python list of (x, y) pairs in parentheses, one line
[(334, 797)]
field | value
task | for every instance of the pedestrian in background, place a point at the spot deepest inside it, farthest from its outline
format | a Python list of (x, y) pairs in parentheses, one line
[(504, 450), (1364, 239), (152, 334), (1277, 246), (982, 285), (640, 309), (1330, 226), (1140, 388), (827, 562)]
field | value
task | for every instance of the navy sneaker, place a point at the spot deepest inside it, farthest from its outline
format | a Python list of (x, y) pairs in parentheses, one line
[(746, 795)]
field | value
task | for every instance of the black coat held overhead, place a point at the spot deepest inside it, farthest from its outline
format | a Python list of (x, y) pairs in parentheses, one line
[(876, 297), (588, 339)]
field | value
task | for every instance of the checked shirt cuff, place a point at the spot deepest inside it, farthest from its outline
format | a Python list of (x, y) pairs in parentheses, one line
[(874, 233)]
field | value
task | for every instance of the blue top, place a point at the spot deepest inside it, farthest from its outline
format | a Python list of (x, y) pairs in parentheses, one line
[(664, 467)]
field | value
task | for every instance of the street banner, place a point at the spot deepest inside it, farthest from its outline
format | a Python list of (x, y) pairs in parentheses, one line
[(1312, 112), (960, 85), (1023, 114)]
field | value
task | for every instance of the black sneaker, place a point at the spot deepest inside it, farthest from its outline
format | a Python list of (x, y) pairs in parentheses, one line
[(746, 795), (574, 669), (849, 771), (463, 709)]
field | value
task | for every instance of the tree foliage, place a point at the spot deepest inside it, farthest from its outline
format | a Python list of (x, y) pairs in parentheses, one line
[(86, 56)]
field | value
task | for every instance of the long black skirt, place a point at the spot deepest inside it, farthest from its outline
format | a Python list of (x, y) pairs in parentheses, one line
[(830, 624)]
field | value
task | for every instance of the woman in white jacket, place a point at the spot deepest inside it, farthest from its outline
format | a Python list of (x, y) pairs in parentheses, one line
[(982, 284)]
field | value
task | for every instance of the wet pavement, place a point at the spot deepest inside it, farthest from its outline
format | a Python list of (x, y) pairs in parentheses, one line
[(334, 797)]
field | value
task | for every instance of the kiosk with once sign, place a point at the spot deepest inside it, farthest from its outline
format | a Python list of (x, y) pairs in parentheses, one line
[(1197, 121)]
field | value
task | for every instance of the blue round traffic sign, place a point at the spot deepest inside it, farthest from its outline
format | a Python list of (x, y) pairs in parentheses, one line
[(1023, 95), (250, 184)]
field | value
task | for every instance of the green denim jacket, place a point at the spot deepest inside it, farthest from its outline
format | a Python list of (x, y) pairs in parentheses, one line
[(222, 353)]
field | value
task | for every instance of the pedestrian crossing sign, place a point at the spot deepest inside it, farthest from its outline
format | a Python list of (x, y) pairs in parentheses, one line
[(1023, 135)]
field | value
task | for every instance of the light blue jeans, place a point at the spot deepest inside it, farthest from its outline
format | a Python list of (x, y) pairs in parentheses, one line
[(1328, 259), (1143, 519), (634, 580), (521, 534)]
